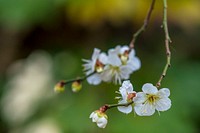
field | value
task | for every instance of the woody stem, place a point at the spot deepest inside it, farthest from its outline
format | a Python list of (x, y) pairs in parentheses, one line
[(167, 41), (144, 26)]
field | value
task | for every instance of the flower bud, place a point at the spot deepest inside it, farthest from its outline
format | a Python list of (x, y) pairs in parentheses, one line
[(100, 118), (76, 86), (59, 87)]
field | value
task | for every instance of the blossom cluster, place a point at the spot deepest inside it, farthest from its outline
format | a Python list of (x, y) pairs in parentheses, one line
[(115, 66), (143, 103)]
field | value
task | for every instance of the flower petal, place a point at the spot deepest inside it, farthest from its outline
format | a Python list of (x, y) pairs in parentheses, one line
[(91, 115), (132, 53), (164, 92), (102, 122), (125, 71), (94, 116), (95, 54), (163, 104), (114, 60), (148, 88), (123, 49), (135, 63), (106, 75), (123, 92), (127, 86), (94, 79), (103, 58), (144, 109), (115, 50), (124, 109), (140, 98)]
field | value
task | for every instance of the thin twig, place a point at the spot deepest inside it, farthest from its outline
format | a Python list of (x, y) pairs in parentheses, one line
[(80, 79), (167, 41), (116, 105), (144, 26)]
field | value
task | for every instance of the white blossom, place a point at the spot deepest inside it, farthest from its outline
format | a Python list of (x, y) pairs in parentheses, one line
[(100, 118), (151, 99), (96, 64), (121, 63), (126, 90)]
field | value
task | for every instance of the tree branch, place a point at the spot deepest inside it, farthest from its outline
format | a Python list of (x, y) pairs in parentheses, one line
[(109, 106), (80, 79), (144, 26), (167, 41)]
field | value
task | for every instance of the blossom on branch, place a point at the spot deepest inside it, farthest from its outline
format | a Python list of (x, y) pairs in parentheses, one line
[(151, 99), (100, 118), (96, 66), (126, 90), (114, 67), (121, 63)]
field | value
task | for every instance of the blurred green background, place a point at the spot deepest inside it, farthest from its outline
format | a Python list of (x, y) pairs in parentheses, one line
[(43, 41)]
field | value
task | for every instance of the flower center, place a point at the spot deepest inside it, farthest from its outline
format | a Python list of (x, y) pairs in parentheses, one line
[(99, 66), (115, 69), (124, 57), (131, 96), (152, 98)]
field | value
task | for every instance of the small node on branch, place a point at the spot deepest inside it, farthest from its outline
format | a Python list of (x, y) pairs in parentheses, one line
[(131, 45), (168, 53), (158, 85), (103, 108)]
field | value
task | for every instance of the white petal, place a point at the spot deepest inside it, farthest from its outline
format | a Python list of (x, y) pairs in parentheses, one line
[(124, 109), (123, 49), (140, 98), (94, 79), (123, 93), (135, 63), (132, 53), (137, 109), (102, 122), (92, 114), (114, 60), (125, 72), (149, 89), (89, 72), (95, 54), (103, 58), (106, 75), (126, 68), (116, 50), (163, 104), (127, 86), (85, 60), (164, 92), (94, 117), (144, 109), (88, 65)]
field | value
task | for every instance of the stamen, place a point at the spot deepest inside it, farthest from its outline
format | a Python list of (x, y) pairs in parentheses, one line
[(99, 66)]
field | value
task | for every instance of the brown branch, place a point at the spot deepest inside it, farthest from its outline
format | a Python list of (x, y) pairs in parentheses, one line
[(144, 26), (167, 41), (80, 79), (109, 106)]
